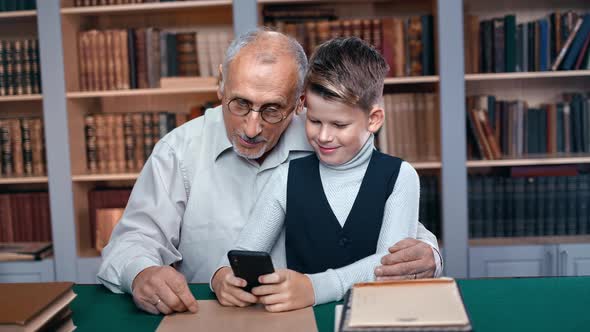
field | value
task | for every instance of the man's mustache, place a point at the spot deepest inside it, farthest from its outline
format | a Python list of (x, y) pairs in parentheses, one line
[(252, 140)]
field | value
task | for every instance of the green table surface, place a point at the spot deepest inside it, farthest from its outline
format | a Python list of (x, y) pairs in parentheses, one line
[(512, 304)]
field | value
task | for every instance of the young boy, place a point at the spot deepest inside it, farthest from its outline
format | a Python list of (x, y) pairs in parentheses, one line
[(341, 207)]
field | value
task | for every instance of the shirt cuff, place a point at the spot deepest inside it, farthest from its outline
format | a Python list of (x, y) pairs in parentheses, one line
[(132, 269), (437, 262), (326, 287)]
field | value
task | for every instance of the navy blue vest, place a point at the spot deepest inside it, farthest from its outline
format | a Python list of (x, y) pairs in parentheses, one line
[(315, 241)]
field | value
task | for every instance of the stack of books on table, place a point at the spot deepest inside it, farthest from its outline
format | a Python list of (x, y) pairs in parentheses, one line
[(36, 307), (25, 251)]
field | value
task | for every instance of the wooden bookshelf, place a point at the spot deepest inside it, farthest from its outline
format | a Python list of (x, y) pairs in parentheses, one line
[(143, 7), (426, 164), (23, 180), (529, 240), (528, 162), (527, 75), (140, 92), (294, 2), (411, 80), (88, 253), (104, 177), (18, 14), (20, 98)]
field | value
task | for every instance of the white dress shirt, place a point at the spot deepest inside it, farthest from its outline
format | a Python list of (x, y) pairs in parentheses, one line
[(191, 201)]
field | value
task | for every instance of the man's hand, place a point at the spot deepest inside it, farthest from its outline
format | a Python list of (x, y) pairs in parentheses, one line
[(228, 289), (162, 289), (408, 259), (285, 290)]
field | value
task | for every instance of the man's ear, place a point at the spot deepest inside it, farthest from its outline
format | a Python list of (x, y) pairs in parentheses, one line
[(376, 118), (301, 104), (219, 80)]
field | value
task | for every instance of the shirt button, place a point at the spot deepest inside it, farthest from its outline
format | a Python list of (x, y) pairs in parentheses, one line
[(344, 242)]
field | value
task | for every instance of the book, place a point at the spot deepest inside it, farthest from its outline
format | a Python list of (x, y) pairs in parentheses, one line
[(35, 306), (23, 251), (405, 305), (106, 220), (212, 316)]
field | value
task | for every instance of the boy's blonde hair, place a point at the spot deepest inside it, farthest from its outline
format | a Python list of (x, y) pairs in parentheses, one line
[(347, 70)]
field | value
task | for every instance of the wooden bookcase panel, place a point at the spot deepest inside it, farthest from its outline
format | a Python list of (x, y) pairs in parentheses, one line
[(524, 9), (534, 92)]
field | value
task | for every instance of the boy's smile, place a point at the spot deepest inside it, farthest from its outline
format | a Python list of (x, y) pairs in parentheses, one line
[(336, 131)]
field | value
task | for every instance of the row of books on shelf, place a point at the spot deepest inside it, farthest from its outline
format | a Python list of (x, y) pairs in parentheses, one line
[(429, 210), (499, 128), (407, 44), (558, 41), (21, 147), (528, 206), (86, 3), (20, 71), (119, 142), (24, 217), (411, 128), (14, 5), (139, 58)]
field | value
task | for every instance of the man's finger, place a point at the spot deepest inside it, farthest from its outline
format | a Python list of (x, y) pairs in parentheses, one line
[(180, 288), (400, 269), (403, 244), (387, 278), (171, 300), (407, 255), (147, 306), (163, 308)]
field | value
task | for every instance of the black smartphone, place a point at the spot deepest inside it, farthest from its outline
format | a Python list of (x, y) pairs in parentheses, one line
[(249, 265)]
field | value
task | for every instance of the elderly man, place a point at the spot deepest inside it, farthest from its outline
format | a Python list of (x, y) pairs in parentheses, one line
[(195, 192)]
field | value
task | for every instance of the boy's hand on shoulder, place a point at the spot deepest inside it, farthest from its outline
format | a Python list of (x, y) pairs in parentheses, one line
[(228, 289), (285, 290)]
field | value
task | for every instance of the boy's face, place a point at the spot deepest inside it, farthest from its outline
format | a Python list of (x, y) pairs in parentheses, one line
[(337, 131)]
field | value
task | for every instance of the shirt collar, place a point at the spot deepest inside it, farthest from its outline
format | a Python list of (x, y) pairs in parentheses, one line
[(293, 139)]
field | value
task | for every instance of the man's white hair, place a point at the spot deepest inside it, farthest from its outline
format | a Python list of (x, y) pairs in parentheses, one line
[(251, 36)]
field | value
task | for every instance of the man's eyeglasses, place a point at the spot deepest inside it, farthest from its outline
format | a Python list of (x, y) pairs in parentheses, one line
[(270, 114)]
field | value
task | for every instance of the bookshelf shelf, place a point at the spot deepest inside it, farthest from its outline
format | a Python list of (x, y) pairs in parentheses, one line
[(18, 14), (20, 98), (145, 7), (532, 240), (528, 162), (411, 80), (426, 165), (278, 2), (24, 180), (528, 75), (140, 92), (104, 177)]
